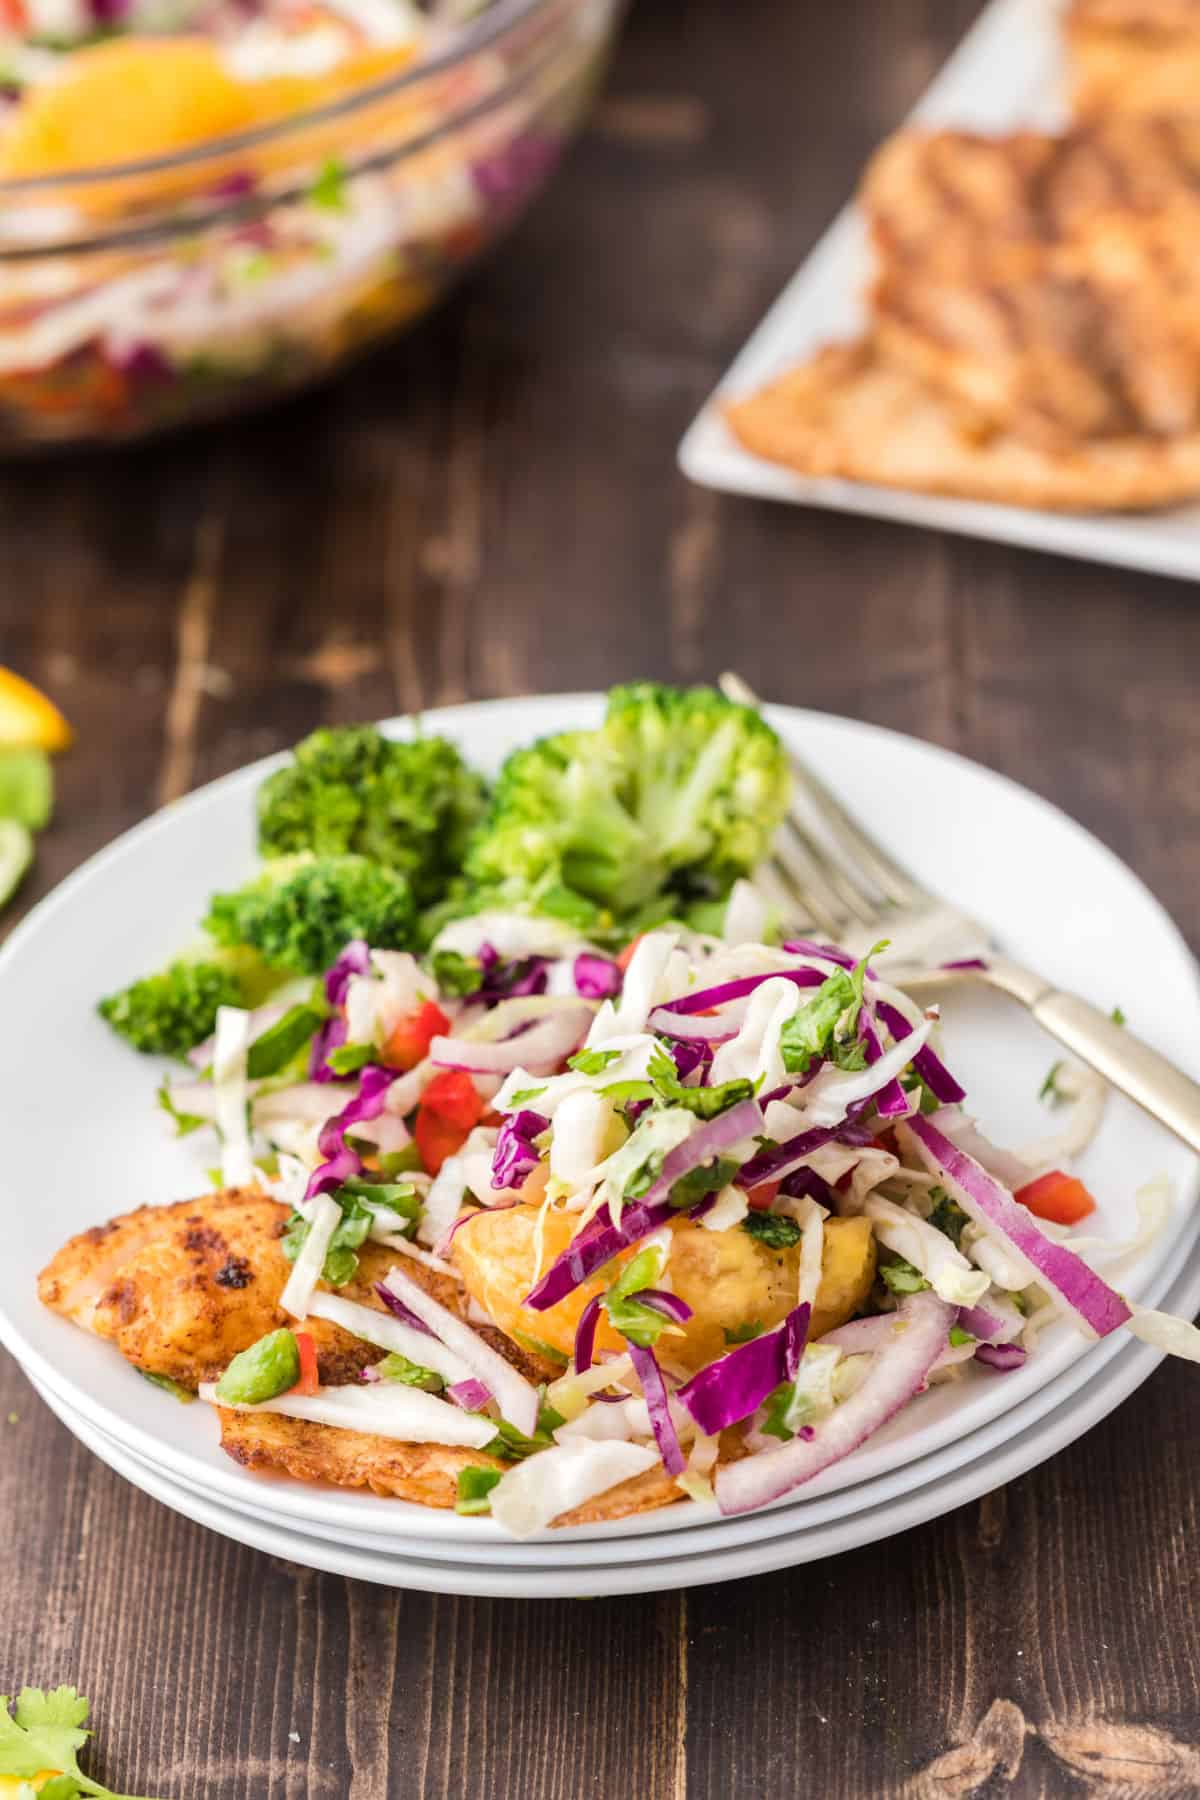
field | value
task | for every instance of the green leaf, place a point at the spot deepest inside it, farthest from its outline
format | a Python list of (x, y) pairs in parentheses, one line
[(184, 1395), (525, 1094), (185, 1122), (1050, 1091), (774, 1230), (26, 788), (329, 188), (784, 1412), (812, 1030), (640, 1324), (395, 1367), (274, 1048), (400, 1197), (709, 1178), (593, 1062), (348, 1059), (474, 1486), (899, 1277), (644, 1176), (704, 1102), (744, 1334), (512, 1445), (1118, 1017), (537, 1347), (958, 1336), (948, 1216), (456, 974)]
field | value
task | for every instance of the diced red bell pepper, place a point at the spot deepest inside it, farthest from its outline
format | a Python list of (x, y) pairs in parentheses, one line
[(449, 1109), (1058, 1197), (762, 1197), (309, 1379), (410, 1037)]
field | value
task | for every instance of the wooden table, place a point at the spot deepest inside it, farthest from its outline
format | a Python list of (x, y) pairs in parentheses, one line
[(491, 508)]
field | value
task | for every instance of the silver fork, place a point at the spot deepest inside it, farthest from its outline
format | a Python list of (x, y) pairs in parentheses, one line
[(835, 879)]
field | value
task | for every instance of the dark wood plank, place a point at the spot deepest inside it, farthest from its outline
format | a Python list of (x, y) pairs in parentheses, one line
[(491, 507)]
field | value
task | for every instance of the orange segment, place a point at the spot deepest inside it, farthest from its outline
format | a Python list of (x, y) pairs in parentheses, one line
[(28, 720), (131, 98)]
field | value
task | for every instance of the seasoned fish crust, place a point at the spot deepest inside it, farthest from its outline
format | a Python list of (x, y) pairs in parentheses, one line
[(269, 1443), (1136, 56), (850, 412), (181, 1289)]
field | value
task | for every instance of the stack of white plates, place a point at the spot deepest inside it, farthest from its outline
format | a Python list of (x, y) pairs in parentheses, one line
[(88, 1143)]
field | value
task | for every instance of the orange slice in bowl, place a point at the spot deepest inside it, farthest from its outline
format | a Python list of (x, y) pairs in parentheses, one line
[(134, 98), (28, 720)]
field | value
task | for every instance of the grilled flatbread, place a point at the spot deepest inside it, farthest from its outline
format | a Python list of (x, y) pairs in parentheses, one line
[(852, 412)]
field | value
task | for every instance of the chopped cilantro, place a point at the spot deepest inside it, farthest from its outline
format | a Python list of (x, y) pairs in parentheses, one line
[(511, 1445), (704, 1102), (948, 1216), (177, 1392), (774, 1230), (1050, 1091), (527, 1094), (592, 1062), (355, 1198), (784, 1413), (1118, 1017), (743, 1334), (185, 1122), (901, 1278), (474, 1486), (45, 1730), (812, 1031), (709, 1178), (640, 1324), (958, 1336), (916, 1084), (395, 1367), (538, 1347), (329, 188), (644, 1176), (457, 974)]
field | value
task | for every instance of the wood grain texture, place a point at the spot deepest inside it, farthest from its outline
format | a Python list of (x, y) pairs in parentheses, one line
[(491, 507)]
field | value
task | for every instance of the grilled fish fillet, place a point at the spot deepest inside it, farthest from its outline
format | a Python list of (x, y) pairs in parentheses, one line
[(1051, 286), (852, 412), (269, 1443), (1133, 56), (181, 1289)]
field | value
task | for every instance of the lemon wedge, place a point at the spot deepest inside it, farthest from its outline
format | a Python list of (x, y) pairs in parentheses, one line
[(28, 720)]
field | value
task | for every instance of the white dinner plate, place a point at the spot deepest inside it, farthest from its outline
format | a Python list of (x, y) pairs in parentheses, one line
[(1005, 75), (802, 1514), (89, 1141), (981, 1475)]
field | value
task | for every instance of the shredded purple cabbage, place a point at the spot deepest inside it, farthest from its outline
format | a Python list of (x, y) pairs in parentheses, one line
[(341, 1161), (330, 1034), (658, 1405), (515, 1155), (596, 977), (355, 959), (926, 1062), (398, 1309), (736, 1384)]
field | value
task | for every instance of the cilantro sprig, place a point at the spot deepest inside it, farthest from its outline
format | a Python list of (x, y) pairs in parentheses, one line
[(827, 1024), (356, 1198), (45, 1730)]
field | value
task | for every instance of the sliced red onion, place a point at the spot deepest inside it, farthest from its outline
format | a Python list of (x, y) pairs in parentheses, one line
[(1009, 1168), (1091, 1303), (596, 977), (600, 1243), (515, 1155), (806, 1184), (471, 1395), (736, 1384), (891, 1381), (993, 1321), (926, 1062), (690, 1056), (658, 1405), (541, 1046), (1001, 1356), (355, 959), (704, 998), (585, 1334), (398, 1309), (720, 1030), (863, 1337), (965, 962), (660, 1301), (826, 952)]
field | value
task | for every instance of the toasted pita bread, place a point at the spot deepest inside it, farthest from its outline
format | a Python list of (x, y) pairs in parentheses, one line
[(851, 412)]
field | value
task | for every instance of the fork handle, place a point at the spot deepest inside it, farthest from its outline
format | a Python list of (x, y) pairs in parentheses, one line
[(1132, 1067)]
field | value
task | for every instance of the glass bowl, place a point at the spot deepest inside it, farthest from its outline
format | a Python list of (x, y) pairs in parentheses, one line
[(148, 295)]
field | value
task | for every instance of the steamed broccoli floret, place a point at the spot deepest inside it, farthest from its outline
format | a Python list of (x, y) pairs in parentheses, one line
[(677, 794), (169, 1013), (302, 911), (351, 790)]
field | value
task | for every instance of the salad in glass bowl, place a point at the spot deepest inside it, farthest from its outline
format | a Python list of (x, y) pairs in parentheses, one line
[(206, 203), (555, 1180)]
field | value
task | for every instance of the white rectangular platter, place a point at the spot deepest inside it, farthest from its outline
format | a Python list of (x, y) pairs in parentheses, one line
[(1006, 73)]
